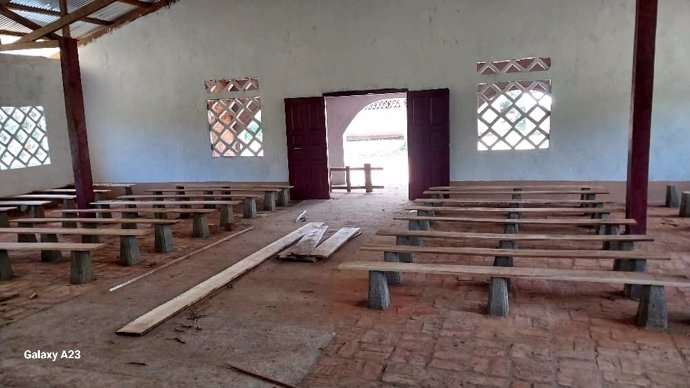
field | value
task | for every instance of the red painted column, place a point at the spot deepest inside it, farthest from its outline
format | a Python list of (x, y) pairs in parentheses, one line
[(76, 121), (641, 114)]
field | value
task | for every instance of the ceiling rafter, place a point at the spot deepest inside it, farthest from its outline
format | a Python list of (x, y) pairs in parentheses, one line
[(29, 45), (22, 20), (66, 20), (41, 11), (136, 3), (124, 19)]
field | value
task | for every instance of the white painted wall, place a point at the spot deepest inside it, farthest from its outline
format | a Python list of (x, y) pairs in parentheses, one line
[(28, 81), (145, 100)]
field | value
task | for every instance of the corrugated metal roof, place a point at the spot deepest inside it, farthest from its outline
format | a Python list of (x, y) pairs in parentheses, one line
[(113, 11)]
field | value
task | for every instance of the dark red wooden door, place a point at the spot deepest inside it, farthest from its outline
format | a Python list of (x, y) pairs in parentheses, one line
[(428, 140), (305, 122)]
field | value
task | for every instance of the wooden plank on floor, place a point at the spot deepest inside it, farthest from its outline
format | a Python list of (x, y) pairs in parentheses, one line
[(333, 243), (160, 314), (306, 245), (592, 276)]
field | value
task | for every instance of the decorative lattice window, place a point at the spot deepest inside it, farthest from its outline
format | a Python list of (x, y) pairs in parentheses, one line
[(514, 115), (235, 125), (232, 85), (521, 65), (23, 139), (389, 103)]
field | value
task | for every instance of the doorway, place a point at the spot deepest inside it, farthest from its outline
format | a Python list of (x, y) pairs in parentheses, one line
[(315, 143)]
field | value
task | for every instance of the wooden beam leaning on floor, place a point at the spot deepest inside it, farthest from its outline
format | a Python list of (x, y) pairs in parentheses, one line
[(160, 314), (249, 200), (81, 270), (651, 310), (129, 246), (200, 224), (225, 207), (186, 256), (162, 228)]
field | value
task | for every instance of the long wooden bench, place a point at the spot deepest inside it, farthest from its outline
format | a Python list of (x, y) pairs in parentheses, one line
[(127, 188), (283, 195), (513, 202), (516, 194), (81, 269), (129, 246), (269, 194), (651, 311), (514, 237), (516, 187), (249, 200), (528, 210), (36, 208), (225, 207), (162, 228)]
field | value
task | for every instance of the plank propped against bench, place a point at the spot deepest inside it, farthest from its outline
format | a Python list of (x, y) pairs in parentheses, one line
[(575, 275), (160, 314), (535, 253)]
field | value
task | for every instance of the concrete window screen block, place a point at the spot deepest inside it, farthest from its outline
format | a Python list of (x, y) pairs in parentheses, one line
[(521, 65), (235, 127), (23, 137), (232, 85), (513, 115)]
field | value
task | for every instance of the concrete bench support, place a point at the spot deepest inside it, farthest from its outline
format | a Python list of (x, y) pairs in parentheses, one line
[(284, 197), (269, 201), (163, 238), (498, 298), (395, 278), (129, 250), (4, 220), (379, 297), (106, 214), (672, 196), (227, 217), (181, 192), (209, 192), (685, 204), (652, 312), (90, 239), (68, 204), (632, 291), (249, 207), (5, 267), (50, 256), (81, 269), (200, 225), (26, 237), (404, 240)]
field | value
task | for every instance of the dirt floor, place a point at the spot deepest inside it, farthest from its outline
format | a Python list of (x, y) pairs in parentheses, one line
[(307, 324)]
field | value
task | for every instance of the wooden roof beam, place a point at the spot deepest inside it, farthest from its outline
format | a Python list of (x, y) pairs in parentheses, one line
[(124, 19), (12, 33), (29, 45), (41, 11), (24, 21), (137, 3), (65, 21)]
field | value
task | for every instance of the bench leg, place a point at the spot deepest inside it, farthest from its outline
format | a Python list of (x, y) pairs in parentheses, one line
[(249, 208), (379, 298), (651, 311), (68, 204), (131, 215), (80, 270), (632, 291), (50, 256), (437, 196), (684, 205), (209, 199), (405, 257), (5, 267), (671, 196), (498, 297), (106, 214), (200, 225), (227, 217), (129, 191), (163, 238), (269, 201), (4, 220), (394, 278), (284, 197), (129, 250), (505, 261), (90, 239), (26, 237), (601, 229), (37, 212), (181, 192), (425, 224)]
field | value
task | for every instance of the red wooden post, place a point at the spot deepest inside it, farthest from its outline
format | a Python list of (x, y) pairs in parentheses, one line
[(641, 114), (76, 122)]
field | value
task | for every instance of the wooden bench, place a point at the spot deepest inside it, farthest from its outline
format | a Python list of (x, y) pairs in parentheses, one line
[(513, 202), (81, 269), (283, 195), (200, 216), (97, 192), (162, 228), (269, 194), (249, 200), (225, 207), (515, 187), (35, 207), (584, 194), (129, 246), (4, 217), (128, 188), (529, 210), (651, 310)]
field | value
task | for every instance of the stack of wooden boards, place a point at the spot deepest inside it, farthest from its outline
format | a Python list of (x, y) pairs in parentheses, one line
[(520, 213), (308, 247)]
